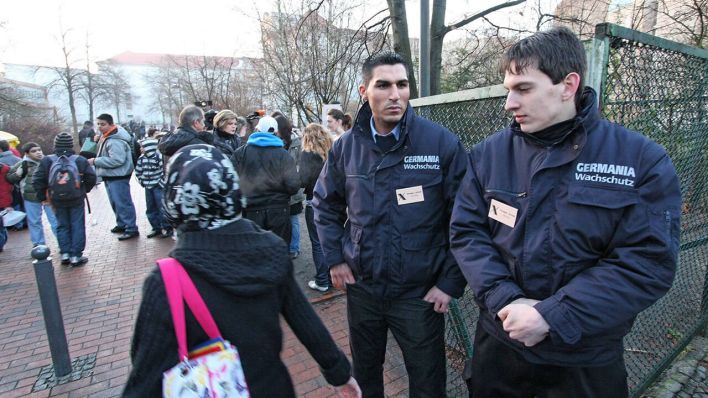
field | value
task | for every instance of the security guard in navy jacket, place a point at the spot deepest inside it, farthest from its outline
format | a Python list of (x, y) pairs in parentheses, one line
[(382, 206), (566, 226)]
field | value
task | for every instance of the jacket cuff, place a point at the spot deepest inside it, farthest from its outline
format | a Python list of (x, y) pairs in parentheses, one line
[(452, 288), (500, 296), (563, 327), (338, 374), (333, 259)]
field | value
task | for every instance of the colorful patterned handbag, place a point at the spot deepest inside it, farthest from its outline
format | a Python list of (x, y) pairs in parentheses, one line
[(212, 369)]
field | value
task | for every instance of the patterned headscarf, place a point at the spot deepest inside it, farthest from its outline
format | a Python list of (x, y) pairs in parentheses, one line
[(202, 189)]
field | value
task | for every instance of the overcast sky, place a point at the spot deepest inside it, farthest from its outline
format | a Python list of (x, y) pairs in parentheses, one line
[(213, 27)]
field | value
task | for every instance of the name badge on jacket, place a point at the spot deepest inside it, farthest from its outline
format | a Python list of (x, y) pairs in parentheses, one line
[(410, 195), (503, 213)]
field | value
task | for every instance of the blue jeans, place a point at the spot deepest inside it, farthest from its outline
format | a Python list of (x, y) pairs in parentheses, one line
[(71, 230), (34, 221), (153, 208), (3, 237), (419, 331), (295, 235), (321, 270), (122, 203)]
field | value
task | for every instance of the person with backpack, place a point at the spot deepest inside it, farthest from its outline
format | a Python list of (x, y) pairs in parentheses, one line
[(63, 179), (22, 173), (114, 164)]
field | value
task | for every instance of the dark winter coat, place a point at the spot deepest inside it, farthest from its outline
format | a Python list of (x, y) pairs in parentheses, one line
[(311, 164), (183, 136), (395, 250), (595, 237), (40, 179), (267, 172), (226, 143), (246, 286)]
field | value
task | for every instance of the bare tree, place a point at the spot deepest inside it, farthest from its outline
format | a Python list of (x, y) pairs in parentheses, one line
[(312, 54), (685, 21), (115, 87), (90, 91), (68, 78)]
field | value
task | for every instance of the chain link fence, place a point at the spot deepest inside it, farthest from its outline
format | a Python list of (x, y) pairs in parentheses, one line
[(658, 88)]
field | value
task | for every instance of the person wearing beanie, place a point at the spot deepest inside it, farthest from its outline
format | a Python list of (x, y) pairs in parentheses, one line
[(114, 164), (22, 173), (247, 284), (150, 172), (225, 134), (268, 178), (70, 213)]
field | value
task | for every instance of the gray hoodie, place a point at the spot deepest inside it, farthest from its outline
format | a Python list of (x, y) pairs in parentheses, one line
[(114, 158)]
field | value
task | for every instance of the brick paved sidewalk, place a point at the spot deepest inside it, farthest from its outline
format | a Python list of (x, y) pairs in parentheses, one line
[(99, 303)]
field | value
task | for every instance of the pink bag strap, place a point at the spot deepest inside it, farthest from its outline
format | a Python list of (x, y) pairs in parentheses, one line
[(179, 286)]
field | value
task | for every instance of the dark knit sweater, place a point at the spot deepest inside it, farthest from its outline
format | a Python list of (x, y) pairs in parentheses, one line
[(247, 285)]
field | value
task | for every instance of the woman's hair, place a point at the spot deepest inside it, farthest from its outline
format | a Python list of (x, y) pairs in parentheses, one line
[(316, 139), (285, 130), (223, 117), (336, 113), (347, 121)]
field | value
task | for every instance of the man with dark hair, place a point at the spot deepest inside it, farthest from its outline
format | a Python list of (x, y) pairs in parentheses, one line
[(114, 164), (382, 206), (190, 132), (566, 226)]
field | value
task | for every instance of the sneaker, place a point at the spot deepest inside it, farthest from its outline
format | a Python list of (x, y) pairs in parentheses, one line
[(294, 255), (118, 230), (65, 258), (154, 233), (129, 235), (77, 261), (167, 233), (314, 286)]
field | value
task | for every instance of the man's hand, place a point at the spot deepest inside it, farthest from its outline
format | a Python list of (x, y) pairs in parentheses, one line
[(439, 298), (341, 275), (91, 161), (349, 390), (524, 323)]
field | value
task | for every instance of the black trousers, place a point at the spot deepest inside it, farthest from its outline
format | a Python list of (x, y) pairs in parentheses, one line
[(276, 220), (419, 331), (500, 372)]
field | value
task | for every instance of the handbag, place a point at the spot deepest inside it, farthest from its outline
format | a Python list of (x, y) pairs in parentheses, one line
[(88, 149), (212, 369)]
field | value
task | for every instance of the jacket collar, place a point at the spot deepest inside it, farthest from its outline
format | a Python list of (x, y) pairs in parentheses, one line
[(362, 122)]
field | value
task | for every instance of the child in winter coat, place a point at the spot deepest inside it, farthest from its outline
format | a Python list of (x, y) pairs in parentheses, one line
[(22, 173), (149, 170)]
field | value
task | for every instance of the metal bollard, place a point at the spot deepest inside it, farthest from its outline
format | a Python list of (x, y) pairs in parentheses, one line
[(51, 310)]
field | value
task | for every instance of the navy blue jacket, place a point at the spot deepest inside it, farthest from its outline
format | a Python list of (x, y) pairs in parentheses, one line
[(595, 238), (395, 251)]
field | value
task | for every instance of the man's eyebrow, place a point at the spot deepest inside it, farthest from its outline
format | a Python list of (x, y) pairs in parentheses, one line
[(380, 81)]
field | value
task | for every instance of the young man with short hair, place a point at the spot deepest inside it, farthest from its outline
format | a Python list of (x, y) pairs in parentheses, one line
[(382, 205), (114, 164), (566, 226)]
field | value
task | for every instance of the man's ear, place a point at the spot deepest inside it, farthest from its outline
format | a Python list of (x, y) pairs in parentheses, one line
[(571, 85), (362, 92)]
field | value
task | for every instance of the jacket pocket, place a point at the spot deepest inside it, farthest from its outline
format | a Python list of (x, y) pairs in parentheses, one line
[(422, 256), (602, 197), (352, 248)]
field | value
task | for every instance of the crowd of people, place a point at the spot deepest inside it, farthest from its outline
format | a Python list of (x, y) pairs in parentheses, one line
[(564, 226)]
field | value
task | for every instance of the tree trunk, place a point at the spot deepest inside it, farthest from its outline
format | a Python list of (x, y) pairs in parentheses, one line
[(437, 34), (401, 43)]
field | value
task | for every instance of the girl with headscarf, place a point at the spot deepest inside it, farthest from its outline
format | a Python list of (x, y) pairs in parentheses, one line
[(246, 284)]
